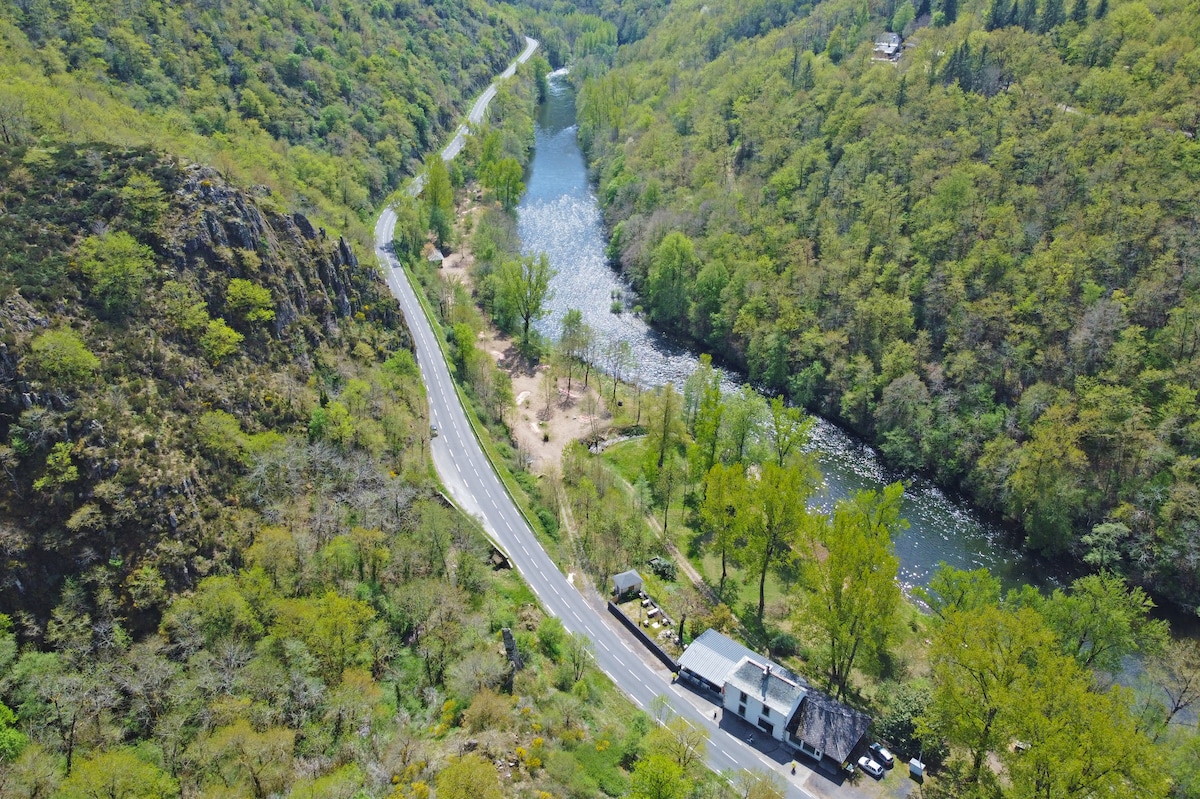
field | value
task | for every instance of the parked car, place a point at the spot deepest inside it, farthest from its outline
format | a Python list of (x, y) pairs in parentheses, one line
[(880, 753), (870, 766)]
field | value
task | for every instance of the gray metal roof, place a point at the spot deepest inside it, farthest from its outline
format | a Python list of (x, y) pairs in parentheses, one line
[(714, 656), (627, 581), (767, 685)]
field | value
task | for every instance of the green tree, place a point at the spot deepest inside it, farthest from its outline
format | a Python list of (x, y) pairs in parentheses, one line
[(61, 360), (220, 341), (580, 655), (184, 308), (409, 234), (1078, 742), (953, 590), (503, 178), (117, 269), (12, 740), (333, 423), (525, 288), (789, 430), (682, 741), (118, 774), (664, 428), (1046, 481), (673, 267), (143, 202), (905, 13), (774, 527), (249, 302), (856, 595), (439, 200), (725, 504), (217, 611), (573, 341), (980, 661), (702, 396), (60, 470), (239, 757), (1100, 621), (668, 479), (743, 415), (1053, 15), (657, 776)]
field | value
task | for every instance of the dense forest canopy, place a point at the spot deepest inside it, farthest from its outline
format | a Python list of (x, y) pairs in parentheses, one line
[(331, 104), (980, 255), (225, 568)]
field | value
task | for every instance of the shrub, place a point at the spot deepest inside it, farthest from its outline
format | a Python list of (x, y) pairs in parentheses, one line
[(60, 359), (249, 302), (220, 341), (117, 268)]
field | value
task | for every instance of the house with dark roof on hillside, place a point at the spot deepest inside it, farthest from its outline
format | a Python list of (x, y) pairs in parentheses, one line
[(887, 47), (774, 699)]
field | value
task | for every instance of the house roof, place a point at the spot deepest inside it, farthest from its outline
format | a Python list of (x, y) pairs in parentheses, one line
[(713, 656), (627, 581), (767, 685), (826, 724)]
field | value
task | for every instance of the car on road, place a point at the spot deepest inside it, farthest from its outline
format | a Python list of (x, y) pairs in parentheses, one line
[(880, 754), (433, 431), (870, 766)]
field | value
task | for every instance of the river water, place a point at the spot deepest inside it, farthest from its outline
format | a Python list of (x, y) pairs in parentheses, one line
[(560, 216)]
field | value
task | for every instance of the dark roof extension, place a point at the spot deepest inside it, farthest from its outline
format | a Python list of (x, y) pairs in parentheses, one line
[(827, 724)]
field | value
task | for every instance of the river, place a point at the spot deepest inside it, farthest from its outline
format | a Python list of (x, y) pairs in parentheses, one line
[(560, 216)]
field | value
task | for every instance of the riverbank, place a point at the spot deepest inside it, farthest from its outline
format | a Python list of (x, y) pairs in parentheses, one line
[(549, 409)]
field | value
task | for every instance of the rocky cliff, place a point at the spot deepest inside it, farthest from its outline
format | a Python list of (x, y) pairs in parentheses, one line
[(119, 472)]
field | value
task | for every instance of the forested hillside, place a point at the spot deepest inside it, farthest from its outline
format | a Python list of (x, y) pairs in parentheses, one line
[(330, 104), (225, 569), (980, 256)]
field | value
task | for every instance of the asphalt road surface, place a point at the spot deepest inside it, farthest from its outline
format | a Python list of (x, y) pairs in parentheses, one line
[(471, 482)]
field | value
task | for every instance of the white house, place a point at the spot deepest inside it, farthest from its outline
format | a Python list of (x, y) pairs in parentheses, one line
[(774, 699), (762, 696)]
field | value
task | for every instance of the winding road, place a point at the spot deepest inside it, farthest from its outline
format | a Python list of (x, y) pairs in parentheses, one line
[(469, 479)]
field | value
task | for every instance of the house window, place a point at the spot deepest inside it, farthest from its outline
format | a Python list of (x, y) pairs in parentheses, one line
[(766, 710), (742, 711), (742, 699)]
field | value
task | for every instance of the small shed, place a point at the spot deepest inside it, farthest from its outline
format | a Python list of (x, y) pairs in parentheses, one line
[(629, 582)]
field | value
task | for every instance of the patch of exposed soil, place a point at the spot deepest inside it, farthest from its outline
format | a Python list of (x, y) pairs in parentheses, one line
[(545, 418)]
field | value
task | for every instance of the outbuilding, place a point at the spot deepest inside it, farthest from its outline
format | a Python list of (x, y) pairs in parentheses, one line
[(626, 583)]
